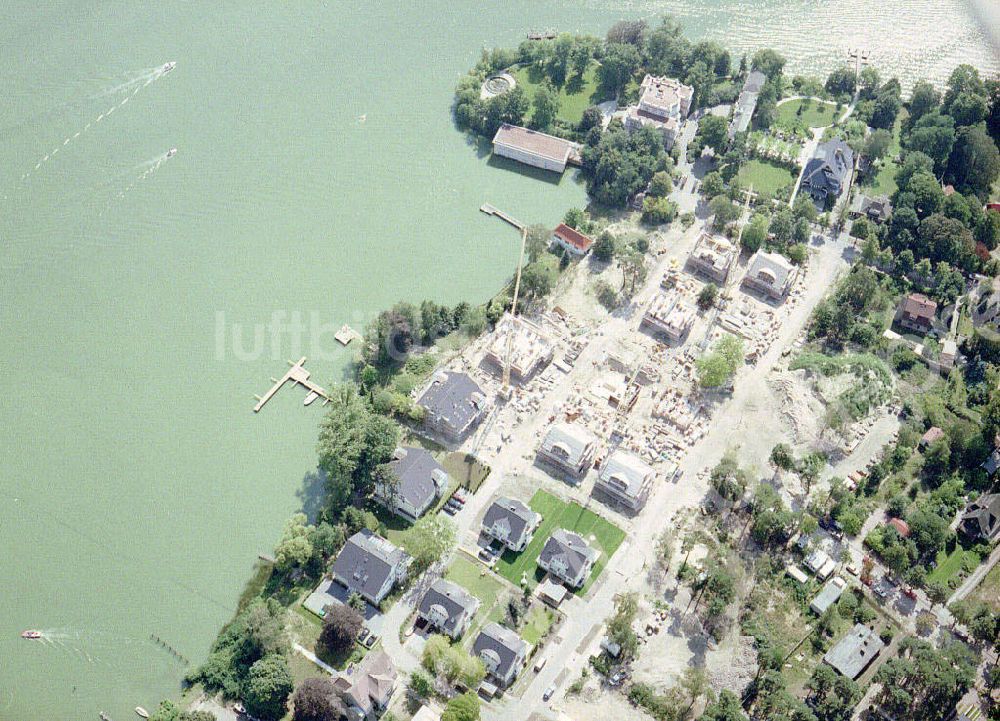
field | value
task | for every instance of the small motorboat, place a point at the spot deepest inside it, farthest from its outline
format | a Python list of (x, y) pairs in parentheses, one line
[(167, 67), (313, 395), (104, 716), (32, 634), (141, 712)]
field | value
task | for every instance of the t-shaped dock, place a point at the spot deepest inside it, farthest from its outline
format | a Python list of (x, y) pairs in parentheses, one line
[(296, 374)]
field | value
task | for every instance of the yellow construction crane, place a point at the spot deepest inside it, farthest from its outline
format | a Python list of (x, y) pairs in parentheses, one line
[(513, 312)]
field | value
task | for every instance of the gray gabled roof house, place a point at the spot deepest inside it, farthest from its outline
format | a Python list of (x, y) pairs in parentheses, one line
[(454, 404), (448, 607), (510, 522), (829, 171), (370, 566), (502, 651), (855, 651), (981, 518), (877, 209), (417, 481), (567, 557)]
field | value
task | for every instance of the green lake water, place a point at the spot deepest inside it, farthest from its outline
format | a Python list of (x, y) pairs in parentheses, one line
[(318, 176)]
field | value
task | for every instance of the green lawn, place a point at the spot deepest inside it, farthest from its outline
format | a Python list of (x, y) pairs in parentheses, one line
[(885, 180), (601, 534), (949, 565), (306, 627), (765, 177), (465, 469), (576, 95), (481, 583), (538, 622), (988, 590), (815, 113), (474, 578)]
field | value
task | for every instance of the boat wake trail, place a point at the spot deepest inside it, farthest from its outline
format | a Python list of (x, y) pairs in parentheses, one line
[(91, 647), (133, 89), (138, 80), (151, 167)]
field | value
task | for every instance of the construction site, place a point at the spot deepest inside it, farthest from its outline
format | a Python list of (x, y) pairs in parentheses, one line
[(628, 378)]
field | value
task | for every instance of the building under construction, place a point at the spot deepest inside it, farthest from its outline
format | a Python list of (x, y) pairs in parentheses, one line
[(523, 344), (668, 315)]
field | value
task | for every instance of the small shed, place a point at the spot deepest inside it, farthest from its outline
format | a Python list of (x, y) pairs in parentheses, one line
[(797, 573), (551, 592)]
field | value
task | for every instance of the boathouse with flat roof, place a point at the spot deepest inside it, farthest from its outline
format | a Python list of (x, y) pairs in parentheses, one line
[(532, 148)]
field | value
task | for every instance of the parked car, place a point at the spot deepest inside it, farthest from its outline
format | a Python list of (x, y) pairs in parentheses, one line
[(547, 694), (540, 663)]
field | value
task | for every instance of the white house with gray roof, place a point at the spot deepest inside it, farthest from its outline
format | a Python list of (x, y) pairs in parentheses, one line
[(453, 403), (417, 482), (502, 652), (626, 479), (370, 566), (771, 274), (567, 557), (448, 608), (569, 448), (510, 522)]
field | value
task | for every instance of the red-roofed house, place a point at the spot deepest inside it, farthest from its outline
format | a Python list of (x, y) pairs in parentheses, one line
[(917, 312), (901, 526), (575, 242)]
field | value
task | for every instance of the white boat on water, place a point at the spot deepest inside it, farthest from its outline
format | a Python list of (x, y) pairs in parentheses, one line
[(313, 395), (141, 712)]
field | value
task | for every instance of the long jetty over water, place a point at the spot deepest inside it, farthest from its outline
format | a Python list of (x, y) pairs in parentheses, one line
[(296, 374), (490, 210)]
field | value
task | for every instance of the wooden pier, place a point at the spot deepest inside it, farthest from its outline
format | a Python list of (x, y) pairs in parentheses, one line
[(490, 210), (296, 374)]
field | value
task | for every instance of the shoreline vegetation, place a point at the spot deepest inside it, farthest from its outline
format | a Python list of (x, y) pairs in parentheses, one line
[(933, 238)]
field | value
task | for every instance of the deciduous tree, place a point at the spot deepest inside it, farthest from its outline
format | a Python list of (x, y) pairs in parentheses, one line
[(269, 685), (316, 699), (341, 626)]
